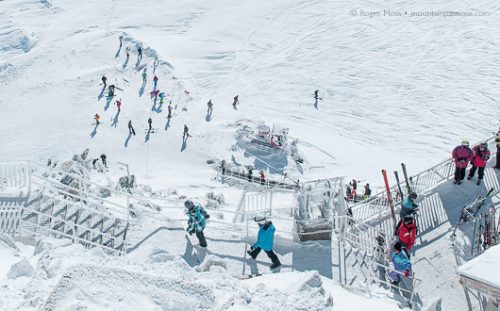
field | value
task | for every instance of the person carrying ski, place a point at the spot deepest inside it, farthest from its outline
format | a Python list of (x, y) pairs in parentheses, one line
[(130, 128), (409, 207), (155, 81), (197, 217), (479, 160), (210, 106), (462, 155), (97, 118), (497, 141), (265, 239), (119, 104), (150, 122), (235, 101), (262, 177), (103, 159), (104, 79), (401, 262), (406, 231)]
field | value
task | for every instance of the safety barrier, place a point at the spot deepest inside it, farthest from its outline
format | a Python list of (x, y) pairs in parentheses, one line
[(378, 205)]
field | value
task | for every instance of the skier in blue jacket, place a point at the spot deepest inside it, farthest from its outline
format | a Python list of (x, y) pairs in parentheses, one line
[(197, 221), (264, 242), (402, 264), (409, 206)]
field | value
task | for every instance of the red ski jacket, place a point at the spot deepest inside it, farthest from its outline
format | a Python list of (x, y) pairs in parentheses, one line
[(480, 156), (407, 234), (462, 155)]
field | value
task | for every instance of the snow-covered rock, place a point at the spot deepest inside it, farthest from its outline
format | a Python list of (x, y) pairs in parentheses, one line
[(22, 268)]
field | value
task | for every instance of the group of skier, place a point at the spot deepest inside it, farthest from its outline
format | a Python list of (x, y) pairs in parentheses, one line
[(351, 193), (197, 221), (478, 157)]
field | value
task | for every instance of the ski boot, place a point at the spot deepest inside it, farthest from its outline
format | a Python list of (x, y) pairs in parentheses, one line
[(469, 177), (275, 265), (478, 182)]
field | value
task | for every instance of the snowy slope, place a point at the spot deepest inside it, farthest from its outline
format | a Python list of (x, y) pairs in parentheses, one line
[(394, 89)]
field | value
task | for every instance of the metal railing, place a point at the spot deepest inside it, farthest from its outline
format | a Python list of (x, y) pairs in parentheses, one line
[(378, 205)]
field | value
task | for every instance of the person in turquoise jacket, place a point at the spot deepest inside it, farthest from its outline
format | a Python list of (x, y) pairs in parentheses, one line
[(409, 206), (264, 242), (401, 262), (196, 221)]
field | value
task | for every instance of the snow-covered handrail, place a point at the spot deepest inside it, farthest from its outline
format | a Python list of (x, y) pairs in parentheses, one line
[(378, 206)]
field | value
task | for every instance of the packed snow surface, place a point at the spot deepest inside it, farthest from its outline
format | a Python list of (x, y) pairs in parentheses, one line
[(484, 268), (392, 88)]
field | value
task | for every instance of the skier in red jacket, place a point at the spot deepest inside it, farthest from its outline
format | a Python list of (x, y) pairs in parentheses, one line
[(407, 232), (462, 155), (479, 160)]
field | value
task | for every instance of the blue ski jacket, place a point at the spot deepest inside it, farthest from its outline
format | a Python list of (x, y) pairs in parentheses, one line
[(196, 221), (401, 261), (265, 237)]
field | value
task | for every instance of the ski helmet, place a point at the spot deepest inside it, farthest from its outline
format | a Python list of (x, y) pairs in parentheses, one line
[(260, 220), (397, 246), (413, 195), (484, 145), (465, 142), (188, 204)]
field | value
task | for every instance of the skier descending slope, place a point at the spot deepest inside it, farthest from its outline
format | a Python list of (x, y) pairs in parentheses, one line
[(462, 155), (479, 160), (210, 107), (131, 128), (185, 135), (119, 104), (196, 221), (264, 242), (150, 122), (104, 79), (235, 101), (97, 118)]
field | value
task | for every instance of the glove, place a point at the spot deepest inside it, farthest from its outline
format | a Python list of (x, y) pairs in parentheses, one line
[(407, 273), (207, 216)]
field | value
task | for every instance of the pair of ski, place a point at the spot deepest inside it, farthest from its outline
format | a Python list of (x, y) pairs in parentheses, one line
[(400, 191), (468, 210)]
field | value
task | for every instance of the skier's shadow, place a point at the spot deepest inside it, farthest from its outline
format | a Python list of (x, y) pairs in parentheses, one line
[(253, 266), (189, 255), (184, 143), (141, 90), (167, 125), (127, 140), (108, 102), (125, 63), (146, 138), (94, 132), (101, 95), (316, 103), (235, 107), (158, 109), (138, 63), (115, 119), (208, 117), (118, 52)]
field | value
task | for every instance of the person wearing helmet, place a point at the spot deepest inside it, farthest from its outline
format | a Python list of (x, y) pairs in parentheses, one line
[(265, 239), (196, 221), (401, 262), (462, 155), (406, 231), (409, 207), (479, 160)]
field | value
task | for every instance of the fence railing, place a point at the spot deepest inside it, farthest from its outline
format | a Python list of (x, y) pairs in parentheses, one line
[(378, 205)]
